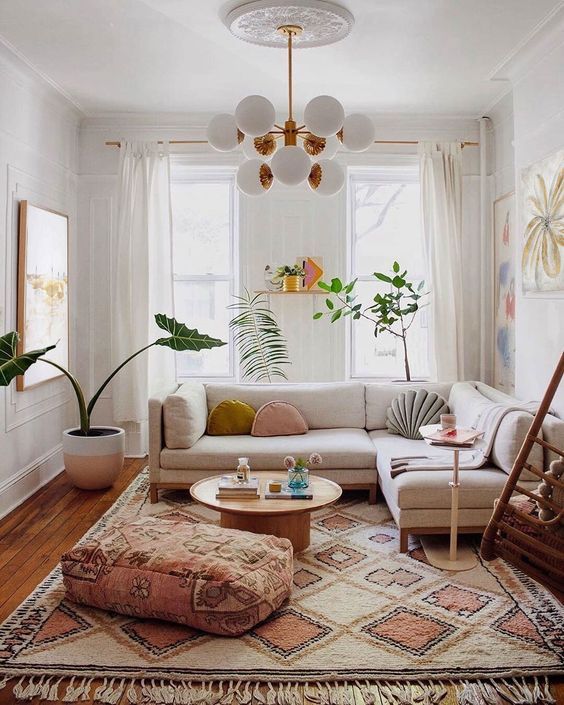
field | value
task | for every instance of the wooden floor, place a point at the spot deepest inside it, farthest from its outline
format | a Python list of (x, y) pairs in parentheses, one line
[(33, 537)]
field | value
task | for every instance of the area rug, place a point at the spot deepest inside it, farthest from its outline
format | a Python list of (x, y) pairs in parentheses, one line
[(360, 613)]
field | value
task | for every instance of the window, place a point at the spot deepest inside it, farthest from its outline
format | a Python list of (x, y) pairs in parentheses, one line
[(204, 263), (384, 227)]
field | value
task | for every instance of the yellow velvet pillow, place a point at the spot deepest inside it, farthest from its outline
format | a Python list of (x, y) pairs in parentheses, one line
[(231, 418)]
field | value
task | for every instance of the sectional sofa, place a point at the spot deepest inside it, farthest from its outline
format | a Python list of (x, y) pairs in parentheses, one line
[(347, 423)]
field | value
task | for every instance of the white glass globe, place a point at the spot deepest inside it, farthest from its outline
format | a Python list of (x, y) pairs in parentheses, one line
[(324, 116), (332, 178), (248, 178), (255, 115), (358, 132), (332, 145), (251, 153), (222, 132), (290, 165)]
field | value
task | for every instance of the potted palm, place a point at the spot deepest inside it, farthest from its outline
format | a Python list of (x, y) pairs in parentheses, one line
[(93, 455)]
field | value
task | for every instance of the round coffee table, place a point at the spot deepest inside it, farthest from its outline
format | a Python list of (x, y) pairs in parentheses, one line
[(286, 518)]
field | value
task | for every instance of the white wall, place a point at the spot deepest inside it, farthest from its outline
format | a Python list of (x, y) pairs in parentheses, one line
[(38, 161)]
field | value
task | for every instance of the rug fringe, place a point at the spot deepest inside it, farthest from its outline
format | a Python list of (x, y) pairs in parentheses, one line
[(154, 691)]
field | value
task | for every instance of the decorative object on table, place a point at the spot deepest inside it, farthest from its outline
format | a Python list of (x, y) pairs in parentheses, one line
[(231, 417), (93, 455), (291, 276), (447, 421), (289, 26), (287, 492), (274, 486), (269, 282), (451, 436), (412, 409), (542, 215), (392, 312), (504, 255), (279, 418), (298, 470), (263, 351), (231, 487), (313, 271), (43, 298), (243, 470)]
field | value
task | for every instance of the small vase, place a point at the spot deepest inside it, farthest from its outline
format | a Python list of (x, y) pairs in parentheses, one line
[(292, 282), (298, 478)]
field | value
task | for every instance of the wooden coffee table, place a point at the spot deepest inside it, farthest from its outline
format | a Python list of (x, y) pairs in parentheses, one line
[(286, 518)]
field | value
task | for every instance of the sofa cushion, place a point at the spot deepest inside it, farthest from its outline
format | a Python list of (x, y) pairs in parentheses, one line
[(343, 448), (278, 418), (509, 438), (413, 409), (218, 580), (467, 403), (231, 417), (379, 398), (185, 415), (323, 405)]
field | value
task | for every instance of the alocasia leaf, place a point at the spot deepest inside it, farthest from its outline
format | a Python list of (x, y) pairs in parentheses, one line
[(12, 364), (184, 338)]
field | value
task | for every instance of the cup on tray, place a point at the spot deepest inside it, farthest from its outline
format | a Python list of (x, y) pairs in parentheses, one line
[(448, 421)]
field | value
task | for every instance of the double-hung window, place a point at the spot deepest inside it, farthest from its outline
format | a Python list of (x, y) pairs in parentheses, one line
[(385, 226), (204, 223)]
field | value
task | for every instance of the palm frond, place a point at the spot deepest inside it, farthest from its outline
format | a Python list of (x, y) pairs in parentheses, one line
[(262, 347)]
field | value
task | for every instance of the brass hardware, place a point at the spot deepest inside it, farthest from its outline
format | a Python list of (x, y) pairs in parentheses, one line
[(265, 145), (290, 133), (313, 144), (288, 29), (314, 178), (266, 176), (339, 135), (240, 136)]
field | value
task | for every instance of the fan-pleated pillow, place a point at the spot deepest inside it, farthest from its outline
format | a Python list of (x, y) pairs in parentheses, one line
[(231, 418), (413, 409), (278, 418)]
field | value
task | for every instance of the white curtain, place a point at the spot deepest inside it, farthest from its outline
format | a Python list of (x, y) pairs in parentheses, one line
[(440, 166), (142, 279)]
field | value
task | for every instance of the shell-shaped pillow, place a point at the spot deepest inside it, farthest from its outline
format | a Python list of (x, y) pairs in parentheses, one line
[(278, 418), (413, 409)]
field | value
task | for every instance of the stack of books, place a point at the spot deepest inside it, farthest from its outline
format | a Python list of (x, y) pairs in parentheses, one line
[(456, 437), (288, 493), (229, 488)]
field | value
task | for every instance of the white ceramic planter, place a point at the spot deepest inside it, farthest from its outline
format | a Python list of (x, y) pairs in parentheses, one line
[(94, 462)]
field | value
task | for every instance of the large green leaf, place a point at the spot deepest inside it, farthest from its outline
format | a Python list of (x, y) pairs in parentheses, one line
[(12, 364), (184, 338)]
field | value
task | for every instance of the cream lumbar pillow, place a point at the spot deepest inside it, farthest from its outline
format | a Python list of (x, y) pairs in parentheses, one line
[(278, 418), (413, 409), (185, 415)]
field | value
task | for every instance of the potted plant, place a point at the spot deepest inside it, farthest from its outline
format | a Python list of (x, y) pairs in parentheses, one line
[(291, 276), (93, 455), (391, 312)]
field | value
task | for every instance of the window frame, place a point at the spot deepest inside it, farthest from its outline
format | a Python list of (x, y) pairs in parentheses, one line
[(182, 172), (406, 171)]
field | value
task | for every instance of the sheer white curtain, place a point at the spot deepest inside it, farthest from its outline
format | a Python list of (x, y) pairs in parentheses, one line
[(440, 166), (142, 279)]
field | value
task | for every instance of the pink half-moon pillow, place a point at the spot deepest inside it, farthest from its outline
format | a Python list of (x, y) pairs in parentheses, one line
[(278, 418)]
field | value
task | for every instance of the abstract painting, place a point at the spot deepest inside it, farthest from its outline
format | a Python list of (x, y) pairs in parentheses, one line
[(313, 268), (542, 259), (43, 315), (504, 293)]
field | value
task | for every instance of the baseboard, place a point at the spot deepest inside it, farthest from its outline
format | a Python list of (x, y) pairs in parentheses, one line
[(22, 484)]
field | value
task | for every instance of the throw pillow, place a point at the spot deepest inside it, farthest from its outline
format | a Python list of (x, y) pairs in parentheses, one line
[(278, 418), (509, 438), (413, 409), (231, 418), (185, 414)]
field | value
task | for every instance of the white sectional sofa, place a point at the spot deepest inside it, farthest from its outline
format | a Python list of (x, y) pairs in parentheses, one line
[(347, 423)]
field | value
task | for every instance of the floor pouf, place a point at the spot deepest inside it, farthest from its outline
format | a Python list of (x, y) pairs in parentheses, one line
[(218, 580)]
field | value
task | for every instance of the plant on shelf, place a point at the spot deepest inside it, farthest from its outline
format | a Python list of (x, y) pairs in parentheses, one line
[(290, 275), (262, 346), (391, 312)]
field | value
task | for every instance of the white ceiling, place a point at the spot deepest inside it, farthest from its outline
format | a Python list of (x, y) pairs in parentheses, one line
[(423, 56)]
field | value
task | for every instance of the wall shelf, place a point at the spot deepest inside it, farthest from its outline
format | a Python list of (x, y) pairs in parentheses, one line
[(310, 292)]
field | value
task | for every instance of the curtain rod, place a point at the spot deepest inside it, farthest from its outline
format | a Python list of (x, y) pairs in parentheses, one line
[(117, 143)]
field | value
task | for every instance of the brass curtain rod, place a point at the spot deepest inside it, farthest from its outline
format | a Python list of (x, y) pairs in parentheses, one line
[(116, 143)]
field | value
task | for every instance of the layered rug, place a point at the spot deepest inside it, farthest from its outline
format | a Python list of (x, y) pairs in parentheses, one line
[(360, 614)]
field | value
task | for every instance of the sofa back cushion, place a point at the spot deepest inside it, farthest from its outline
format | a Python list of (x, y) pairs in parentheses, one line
[(185, 414), (468, 404), (509, 438), (323, 405), (379, 398), (278, 418)]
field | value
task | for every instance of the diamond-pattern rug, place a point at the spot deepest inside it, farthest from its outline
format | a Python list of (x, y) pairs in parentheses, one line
[(359, 611)]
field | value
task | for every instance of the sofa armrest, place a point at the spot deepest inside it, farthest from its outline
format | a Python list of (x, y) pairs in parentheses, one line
[(156, 435)]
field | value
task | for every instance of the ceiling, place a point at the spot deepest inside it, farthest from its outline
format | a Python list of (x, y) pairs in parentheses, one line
[(422, 56)]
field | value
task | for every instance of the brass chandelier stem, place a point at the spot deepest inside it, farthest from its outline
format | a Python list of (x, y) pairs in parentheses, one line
[(290, 105)]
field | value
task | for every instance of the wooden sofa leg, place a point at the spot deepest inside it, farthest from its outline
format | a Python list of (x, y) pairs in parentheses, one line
[(373, 494), (154, 494), (404, 540)]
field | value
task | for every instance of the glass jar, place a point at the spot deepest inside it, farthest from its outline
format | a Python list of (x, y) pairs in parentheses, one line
[(243, 470), (298, 478)]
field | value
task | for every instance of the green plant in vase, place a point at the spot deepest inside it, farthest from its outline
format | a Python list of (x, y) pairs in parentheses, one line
[(298, 470), (291, 276)]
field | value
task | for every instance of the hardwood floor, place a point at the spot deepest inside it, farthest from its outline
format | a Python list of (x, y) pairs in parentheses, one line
[(33, 537)]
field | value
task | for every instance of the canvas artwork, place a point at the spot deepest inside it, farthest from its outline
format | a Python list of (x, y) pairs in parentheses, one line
[(542, 259), (43, 289), (504, 293), (313, 267)]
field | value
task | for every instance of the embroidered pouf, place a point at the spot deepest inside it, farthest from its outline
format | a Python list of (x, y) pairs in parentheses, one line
[(218, 580)]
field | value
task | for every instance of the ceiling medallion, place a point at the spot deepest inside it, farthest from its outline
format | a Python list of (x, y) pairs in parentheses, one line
[(294, 24)]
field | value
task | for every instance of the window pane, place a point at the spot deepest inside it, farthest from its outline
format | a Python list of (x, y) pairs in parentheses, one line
[(386, 222), (202, 305), (200, 221)]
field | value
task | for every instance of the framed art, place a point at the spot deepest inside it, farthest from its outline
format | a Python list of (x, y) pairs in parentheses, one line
[(313, 268), (504, 256), (542, 210), (43, 297)]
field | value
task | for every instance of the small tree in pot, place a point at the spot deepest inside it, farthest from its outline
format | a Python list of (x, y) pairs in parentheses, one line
[(94, 454), (390, 312)]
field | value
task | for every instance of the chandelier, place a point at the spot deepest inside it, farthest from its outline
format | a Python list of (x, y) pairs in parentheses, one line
[(297, 150)]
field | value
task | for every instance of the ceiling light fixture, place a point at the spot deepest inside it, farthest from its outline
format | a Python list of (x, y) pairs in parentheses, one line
[(308, 148)]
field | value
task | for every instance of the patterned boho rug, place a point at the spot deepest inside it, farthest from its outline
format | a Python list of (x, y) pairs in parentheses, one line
[(360, 613)]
